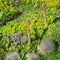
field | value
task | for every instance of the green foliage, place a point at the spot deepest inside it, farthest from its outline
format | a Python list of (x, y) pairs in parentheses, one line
[(52, 57), (53, 32), (8, 8), (36, 3), (15, 26), (1, 52), (37, 29)]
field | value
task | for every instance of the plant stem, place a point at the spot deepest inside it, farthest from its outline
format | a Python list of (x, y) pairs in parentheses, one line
[(28, 30), (44, 14)]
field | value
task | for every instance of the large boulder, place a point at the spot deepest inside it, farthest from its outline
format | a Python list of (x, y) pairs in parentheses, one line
[(46, 46), (12, 56), (31, 56)]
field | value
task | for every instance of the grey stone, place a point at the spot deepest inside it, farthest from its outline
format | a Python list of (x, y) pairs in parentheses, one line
[(46, 46), (24, 39), (16, 38), (12, 56), (31, 56)]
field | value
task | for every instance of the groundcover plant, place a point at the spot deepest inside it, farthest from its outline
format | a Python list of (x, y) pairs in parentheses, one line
[(29, 29)]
